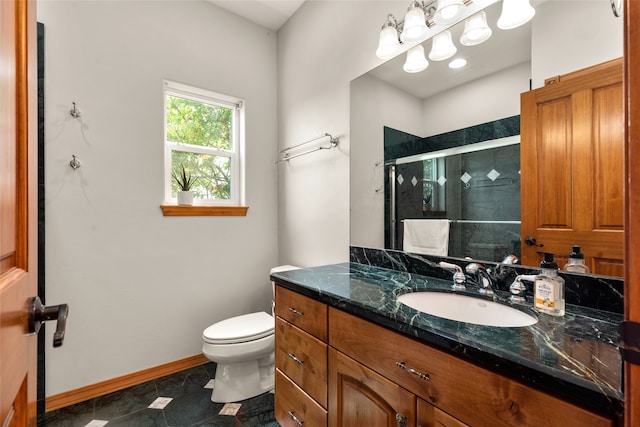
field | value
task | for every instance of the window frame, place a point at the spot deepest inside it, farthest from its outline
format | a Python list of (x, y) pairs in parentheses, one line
[(236, 154)]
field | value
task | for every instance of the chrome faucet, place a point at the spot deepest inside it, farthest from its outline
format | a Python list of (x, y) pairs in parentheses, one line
[(482, 277)]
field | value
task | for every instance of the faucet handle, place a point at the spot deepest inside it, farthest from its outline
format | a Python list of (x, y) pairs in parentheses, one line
[(459, 278), (518, 289)]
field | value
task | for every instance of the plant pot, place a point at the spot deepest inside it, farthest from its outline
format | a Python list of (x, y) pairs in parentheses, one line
[(185, 198)]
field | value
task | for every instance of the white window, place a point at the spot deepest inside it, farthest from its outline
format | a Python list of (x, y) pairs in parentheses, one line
[(204, 135)]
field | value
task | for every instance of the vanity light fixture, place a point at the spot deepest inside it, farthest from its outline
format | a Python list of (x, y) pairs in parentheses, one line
[(389, 44), (433, 18), (476, 29), (415, 24), (448, 11), (442, 47), (416, 60), (515, 13)]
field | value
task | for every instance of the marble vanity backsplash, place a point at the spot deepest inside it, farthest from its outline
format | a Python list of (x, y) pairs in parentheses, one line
[(598, 292)]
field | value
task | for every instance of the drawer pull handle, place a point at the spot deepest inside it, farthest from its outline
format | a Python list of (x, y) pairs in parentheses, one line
[(296, 312), (298, 361), (402, 365), (294, 418)]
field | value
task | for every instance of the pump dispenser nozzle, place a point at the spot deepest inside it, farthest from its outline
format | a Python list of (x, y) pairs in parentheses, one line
[(576, 261), (548, 261)]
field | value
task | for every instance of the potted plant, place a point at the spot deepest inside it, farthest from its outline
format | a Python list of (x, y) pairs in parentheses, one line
[(185, 181)]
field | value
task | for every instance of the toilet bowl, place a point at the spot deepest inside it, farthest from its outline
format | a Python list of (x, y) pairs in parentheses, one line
[(243, 349)]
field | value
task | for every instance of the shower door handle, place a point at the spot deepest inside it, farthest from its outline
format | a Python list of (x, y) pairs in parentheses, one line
[(38, 314)]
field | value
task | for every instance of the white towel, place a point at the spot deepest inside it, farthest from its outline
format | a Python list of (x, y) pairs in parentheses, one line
[(426, 236)]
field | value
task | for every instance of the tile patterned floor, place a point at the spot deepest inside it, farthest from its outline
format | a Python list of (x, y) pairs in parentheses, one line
[(190, 405)]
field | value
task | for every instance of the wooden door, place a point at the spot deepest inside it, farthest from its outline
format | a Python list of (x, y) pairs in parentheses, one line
[(572, 148), (18, 203), (632, 199), (360, 397)]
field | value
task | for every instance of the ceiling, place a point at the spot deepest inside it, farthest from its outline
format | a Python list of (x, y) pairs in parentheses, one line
[(504, 49), (270, 14)]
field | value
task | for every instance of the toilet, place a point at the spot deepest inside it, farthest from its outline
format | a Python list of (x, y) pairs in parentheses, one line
[(243, 349)]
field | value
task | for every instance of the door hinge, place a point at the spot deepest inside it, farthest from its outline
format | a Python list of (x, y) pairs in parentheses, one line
[(629, 341)]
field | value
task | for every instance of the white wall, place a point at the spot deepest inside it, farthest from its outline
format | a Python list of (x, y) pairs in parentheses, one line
[(490, 98), (375, 104), (142, 287), (571, 35), (320, 50)]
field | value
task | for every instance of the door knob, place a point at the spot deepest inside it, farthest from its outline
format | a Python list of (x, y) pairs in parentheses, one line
[(531, 241), (38, 314)]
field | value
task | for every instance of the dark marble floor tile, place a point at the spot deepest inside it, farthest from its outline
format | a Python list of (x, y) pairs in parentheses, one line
[(143, 418), (125, 402), (77, 415), (216, 421), (184, 382), (190, 408), (257, 412)]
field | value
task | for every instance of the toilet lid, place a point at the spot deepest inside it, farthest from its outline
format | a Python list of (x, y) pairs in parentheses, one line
[(247, 327)]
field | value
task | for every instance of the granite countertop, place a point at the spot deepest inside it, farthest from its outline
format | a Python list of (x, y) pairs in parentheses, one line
[(574, 357)]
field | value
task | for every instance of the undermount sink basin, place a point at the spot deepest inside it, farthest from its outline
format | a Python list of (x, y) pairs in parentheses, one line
[(465, 308)]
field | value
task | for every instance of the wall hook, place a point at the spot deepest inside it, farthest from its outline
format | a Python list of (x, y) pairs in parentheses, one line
[(75, 112), (74, 163)]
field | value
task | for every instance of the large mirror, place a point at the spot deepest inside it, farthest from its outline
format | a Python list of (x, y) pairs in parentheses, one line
[(564, 36)]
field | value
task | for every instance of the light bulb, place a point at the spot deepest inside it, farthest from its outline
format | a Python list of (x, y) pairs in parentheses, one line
[(388, 44), (416, 60), (443, 47), (515, 13), (448, 11), (476, 30), (415, 26)]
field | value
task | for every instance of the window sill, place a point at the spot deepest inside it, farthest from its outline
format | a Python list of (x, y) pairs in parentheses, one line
[(175, 210)]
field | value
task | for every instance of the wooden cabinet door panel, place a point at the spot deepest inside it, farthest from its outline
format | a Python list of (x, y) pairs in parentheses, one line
[(360, 397)]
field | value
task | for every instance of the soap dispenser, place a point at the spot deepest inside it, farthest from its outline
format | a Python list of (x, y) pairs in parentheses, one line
[(576, 261), (549, 288)]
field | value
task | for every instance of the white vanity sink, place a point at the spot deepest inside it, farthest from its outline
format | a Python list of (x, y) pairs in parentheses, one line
[(469, 309)]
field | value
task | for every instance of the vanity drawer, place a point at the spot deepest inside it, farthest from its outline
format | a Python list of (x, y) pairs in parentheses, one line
[(303, 358), (306, 313), (473, 395), (292, 403)]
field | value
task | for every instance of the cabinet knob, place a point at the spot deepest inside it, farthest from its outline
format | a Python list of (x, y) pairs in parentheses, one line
[(401, 420)]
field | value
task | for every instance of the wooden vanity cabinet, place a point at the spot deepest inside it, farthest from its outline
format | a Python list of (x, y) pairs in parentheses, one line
[(300, 360), (335, 369), (458, 390)]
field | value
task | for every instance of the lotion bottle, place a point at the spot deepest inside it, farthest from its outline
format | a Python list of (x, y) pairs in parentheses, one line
[(576, 261), (549, 288)]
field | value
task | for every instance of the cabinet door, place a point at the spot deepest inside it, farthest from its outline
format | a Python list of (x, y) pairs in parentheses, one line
[(430, 416), (571, 149), (360, 397)]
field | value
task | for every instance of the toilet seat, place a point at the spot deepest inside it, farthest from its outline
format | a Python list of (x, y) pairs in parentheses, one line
[(244, 328)]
